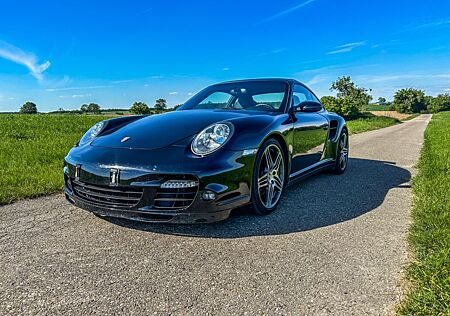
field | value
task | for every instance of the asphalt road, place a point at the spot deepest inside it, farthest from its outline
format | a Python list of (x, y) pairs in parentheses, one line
[(335, 246)]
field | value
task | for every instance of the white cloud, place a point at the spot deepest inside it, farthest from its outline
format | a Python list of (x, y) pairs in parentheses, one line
[(225, 68), (173, 93), (190, 93), (287, 11), (347, 47), (29, 60)]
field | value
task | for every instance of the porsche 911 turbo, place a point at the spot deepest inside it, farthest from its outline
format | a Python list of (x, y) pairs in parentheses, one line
[(232, 144)]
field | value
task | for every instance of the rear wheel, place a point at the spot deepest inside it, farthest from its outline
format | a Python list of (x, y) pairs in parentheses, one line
[(269, 177), (342, 153)]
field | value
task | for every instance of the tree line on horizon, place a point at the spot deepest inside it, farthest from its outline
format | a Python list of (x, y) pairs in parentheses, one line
[(350, 101), (137, 107)]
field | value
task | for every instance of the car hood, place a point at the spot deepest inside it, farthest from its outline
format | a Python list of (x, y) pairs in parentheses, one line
[(158, 131)]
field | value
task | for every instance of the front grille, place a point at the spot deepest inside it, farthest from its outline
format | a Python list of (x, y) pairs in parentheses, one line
[(174, 198), (122, 197)]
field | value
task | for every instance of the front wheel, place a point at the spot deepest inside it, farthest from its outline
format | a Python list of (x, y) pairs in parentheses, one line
[(269, 177), (342, 153)]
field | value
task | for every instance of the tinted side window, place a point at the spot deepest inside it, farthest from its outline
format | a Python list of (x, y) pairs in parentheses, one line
[(301, 94)]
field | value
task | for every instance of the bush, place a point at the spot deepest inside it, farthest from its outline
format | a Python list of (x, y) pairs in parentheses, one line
[(331, 104), (439, 103), (348, 107), (409, 101)]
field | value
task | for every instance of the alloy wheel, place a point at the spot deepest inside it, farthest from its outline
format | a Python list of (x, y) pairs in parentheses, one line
[(271, 175), (343, 150)]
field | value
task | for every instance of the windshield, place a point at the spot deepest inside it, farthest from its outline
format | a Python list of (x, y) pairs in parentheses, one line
[(246, 95)]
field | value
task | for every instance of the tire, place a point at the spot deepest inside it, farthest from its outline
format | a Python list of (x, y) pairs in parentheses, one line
[(269, 177), (342, 153)]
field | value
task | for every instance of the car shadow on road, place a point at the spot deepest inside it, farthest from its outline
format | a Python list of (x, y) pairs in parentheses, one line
[(319, 201)]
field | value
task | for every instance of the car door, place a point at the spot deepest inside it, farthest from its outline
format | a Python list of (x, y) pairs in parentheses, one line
[(310, 132)]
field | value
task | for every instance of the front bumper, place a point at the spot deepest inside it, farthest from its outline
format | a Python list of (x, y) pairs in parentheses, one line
[(138, 195)]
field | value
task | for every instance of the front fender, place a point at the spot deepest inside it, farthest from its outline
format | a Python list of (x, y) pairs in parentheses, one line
[(250, 133)]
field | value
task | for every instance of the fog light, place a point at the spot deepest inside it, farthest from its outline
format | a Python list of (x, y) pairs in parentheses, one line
[(179, 184), (208, 195)]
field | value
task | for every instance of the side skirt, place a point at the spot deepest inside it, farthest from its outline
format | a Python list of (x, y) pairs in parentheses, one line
[(309, 171)]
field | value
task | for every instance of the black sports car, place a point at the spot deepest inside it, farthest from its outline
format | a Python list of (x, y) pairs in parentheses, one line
[(234, 143)]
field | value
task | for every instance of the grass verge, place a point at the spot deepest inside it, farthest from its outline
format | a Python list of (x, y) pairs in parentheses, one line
[(370, 123), (33, 147), (430, 231)]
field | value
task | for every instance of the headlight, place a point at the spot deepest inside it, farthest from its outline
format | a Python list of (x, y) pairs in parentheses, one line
[(211, 138), (92, 133)]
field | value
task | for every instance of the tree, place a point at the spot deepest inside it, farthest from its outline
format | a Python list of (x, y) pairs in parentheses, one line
[(409, 101), (160, 105), (90, 108), (140, 108), (350, 98), (28, 108), (439, 103), (381, 101), (84, 108), (94, 108)]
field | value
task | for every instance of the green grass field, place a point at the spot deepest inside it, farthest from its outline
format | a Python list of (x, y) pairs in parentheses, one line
[(430, 232), (33, 147), (376, 107)]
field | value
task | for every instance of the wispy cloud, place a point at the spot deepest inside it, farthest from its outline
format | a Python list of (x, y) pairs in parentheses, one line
[(404, 77), (145, 11), (78, 88), (225, 69), (74, 96), (287, 11), (346, 47), (427, 25), (273, 52), (173, 93), (29, 60), (316, 79)]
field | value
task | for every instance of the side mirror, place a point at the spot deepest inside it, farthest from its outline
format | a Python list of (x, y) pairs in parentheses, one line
[(308, 106)]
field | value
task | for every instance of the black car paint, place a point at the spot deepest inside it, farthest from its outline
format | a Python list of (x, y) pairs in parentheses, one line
[(150, 158)]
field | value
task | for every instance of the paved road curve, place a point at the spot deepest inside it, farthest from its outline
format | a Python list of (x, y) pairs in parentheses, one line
[(336, 246)]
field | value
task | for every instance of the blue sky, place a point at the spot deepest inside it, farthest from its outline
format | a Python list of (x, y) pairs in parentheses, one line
[(64, 54)]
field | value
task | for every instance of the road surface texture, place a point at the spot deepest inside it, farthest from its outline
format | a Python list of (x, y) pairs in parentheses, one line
[(336, 246)]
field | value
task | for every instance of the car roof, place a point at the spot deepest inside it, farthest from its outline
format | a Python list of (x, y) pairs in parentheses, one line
[(286, 80)]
